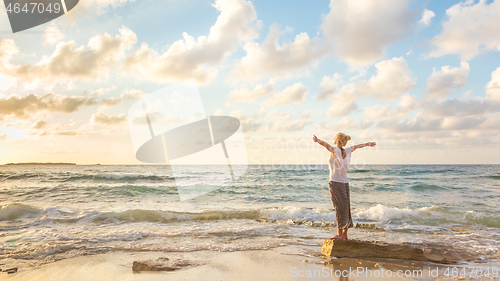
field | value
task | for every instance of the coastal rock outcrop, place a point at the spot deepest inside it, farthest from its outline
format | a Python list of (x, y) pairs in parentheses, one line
[(341, 248), (370, 226)]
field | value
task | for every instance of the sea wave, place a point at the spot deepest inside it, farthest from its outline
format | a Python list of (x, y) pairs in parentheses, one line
[(403, 187), (357, 171), (22, 213), (67, 177), (434, 215), (115, 178), (424, 187), (416, 171), (18, 215), (134, 190), (296, 213), (8, 177), (15, 211)]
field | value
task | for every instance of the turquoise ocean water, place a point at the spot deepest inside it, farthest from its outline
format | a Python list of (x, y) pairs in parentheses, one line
[(53, 212)]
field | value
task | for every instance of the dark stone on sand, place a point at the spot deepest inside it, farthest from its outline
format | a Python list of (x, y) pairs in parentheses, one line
[(160, 264), (346, 248), (11, 270), (151, 266)]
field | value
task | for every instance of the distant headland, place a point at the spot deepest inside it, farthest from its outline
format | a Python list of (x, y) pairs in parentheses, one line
[(38, 163)]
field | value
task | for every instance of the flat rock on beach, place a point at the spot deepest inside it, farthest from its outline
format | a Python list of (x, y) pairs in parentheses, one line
[(160, 264), (341, 248)]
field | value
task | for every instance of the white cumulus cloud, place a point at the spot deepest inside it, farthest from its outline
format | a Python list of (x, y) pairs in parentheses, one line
[(23, 107), (295, 93), (248, 95), (281, 122), (441, 82), (458, 107), (102, 118), (344, 125), (126, 94), (427, 16), (52, 34), (70, 61), (328, 86), (340, 108), (363, 29), (377, 111), (272, 58), (471, 29), (197, 58), (493, 87), (393, 79)]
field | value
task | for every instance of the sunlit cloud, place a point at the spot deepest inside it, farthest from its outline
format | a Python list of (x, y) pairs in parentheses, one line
[(249, 95), (271, 58), (363, 29), (295, 93), (441, 82), (493, 87), (52, 34), (22, 107), (427, 16), (102, 118), (471, 29), (197, 58), (69, 61)]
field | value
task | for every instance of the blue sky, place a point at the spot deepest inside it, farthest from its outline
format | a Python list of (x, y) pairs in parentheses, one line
[(417, 77)]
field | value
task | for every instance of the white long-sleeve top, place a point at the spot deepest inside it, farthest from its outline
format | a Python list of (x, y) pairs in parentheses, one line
[(339, 165)]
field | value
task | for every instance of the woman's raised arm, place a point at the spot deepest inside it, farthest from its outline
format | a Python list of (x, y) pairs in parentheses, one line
[(323, 143), (371, 144)]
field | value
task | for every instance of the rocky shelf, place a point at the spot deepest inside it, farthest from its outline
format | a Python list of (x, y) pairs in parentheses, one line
[(347, 248)]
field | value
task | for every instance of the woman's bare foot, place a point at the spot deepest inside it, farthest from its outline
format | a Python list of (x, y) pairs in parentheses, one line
[(336, 237)]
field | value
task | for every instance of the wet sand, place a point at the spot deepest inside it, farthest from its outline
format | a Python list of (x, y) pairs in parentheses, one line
[(283, 263)]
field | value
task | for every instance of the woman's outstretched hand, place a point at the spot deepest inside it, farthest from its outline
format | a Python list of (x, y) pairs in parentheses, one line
[(315, 139), (372, 144)]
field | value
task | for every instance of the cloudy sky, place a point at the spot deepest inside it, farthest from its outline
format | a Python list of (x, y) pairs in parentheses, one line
[(421, 78)]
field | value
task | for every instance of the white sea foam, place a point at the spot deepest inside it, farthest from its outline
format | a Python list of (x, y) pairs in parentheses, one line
[(295, 213), (383, 213)]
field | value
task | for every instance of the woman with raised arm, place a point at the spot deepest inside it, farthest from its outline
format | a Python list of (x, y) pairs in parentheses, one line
[(339, 184)]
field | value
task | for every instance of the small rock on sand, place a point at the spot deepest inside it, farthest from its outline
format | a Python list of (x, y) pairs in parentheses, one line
[(160, 264), (151, 266), (11, 270)]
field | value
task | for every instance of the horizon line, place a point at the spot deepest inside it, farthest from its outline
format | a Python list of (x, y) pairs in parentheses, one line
[(160, 164)]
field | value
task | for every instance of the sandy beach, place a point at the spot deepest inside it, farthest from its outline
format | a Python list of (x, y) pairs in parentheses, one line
[(284, 263)]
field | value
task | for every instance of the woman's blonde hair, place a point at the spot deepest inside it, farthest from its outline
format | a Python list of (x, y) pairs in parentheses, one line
[(342, 138)]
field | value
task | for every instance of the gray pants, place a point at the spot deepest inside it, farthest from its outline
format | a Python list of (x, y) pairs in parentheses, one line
[(339, 193)]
